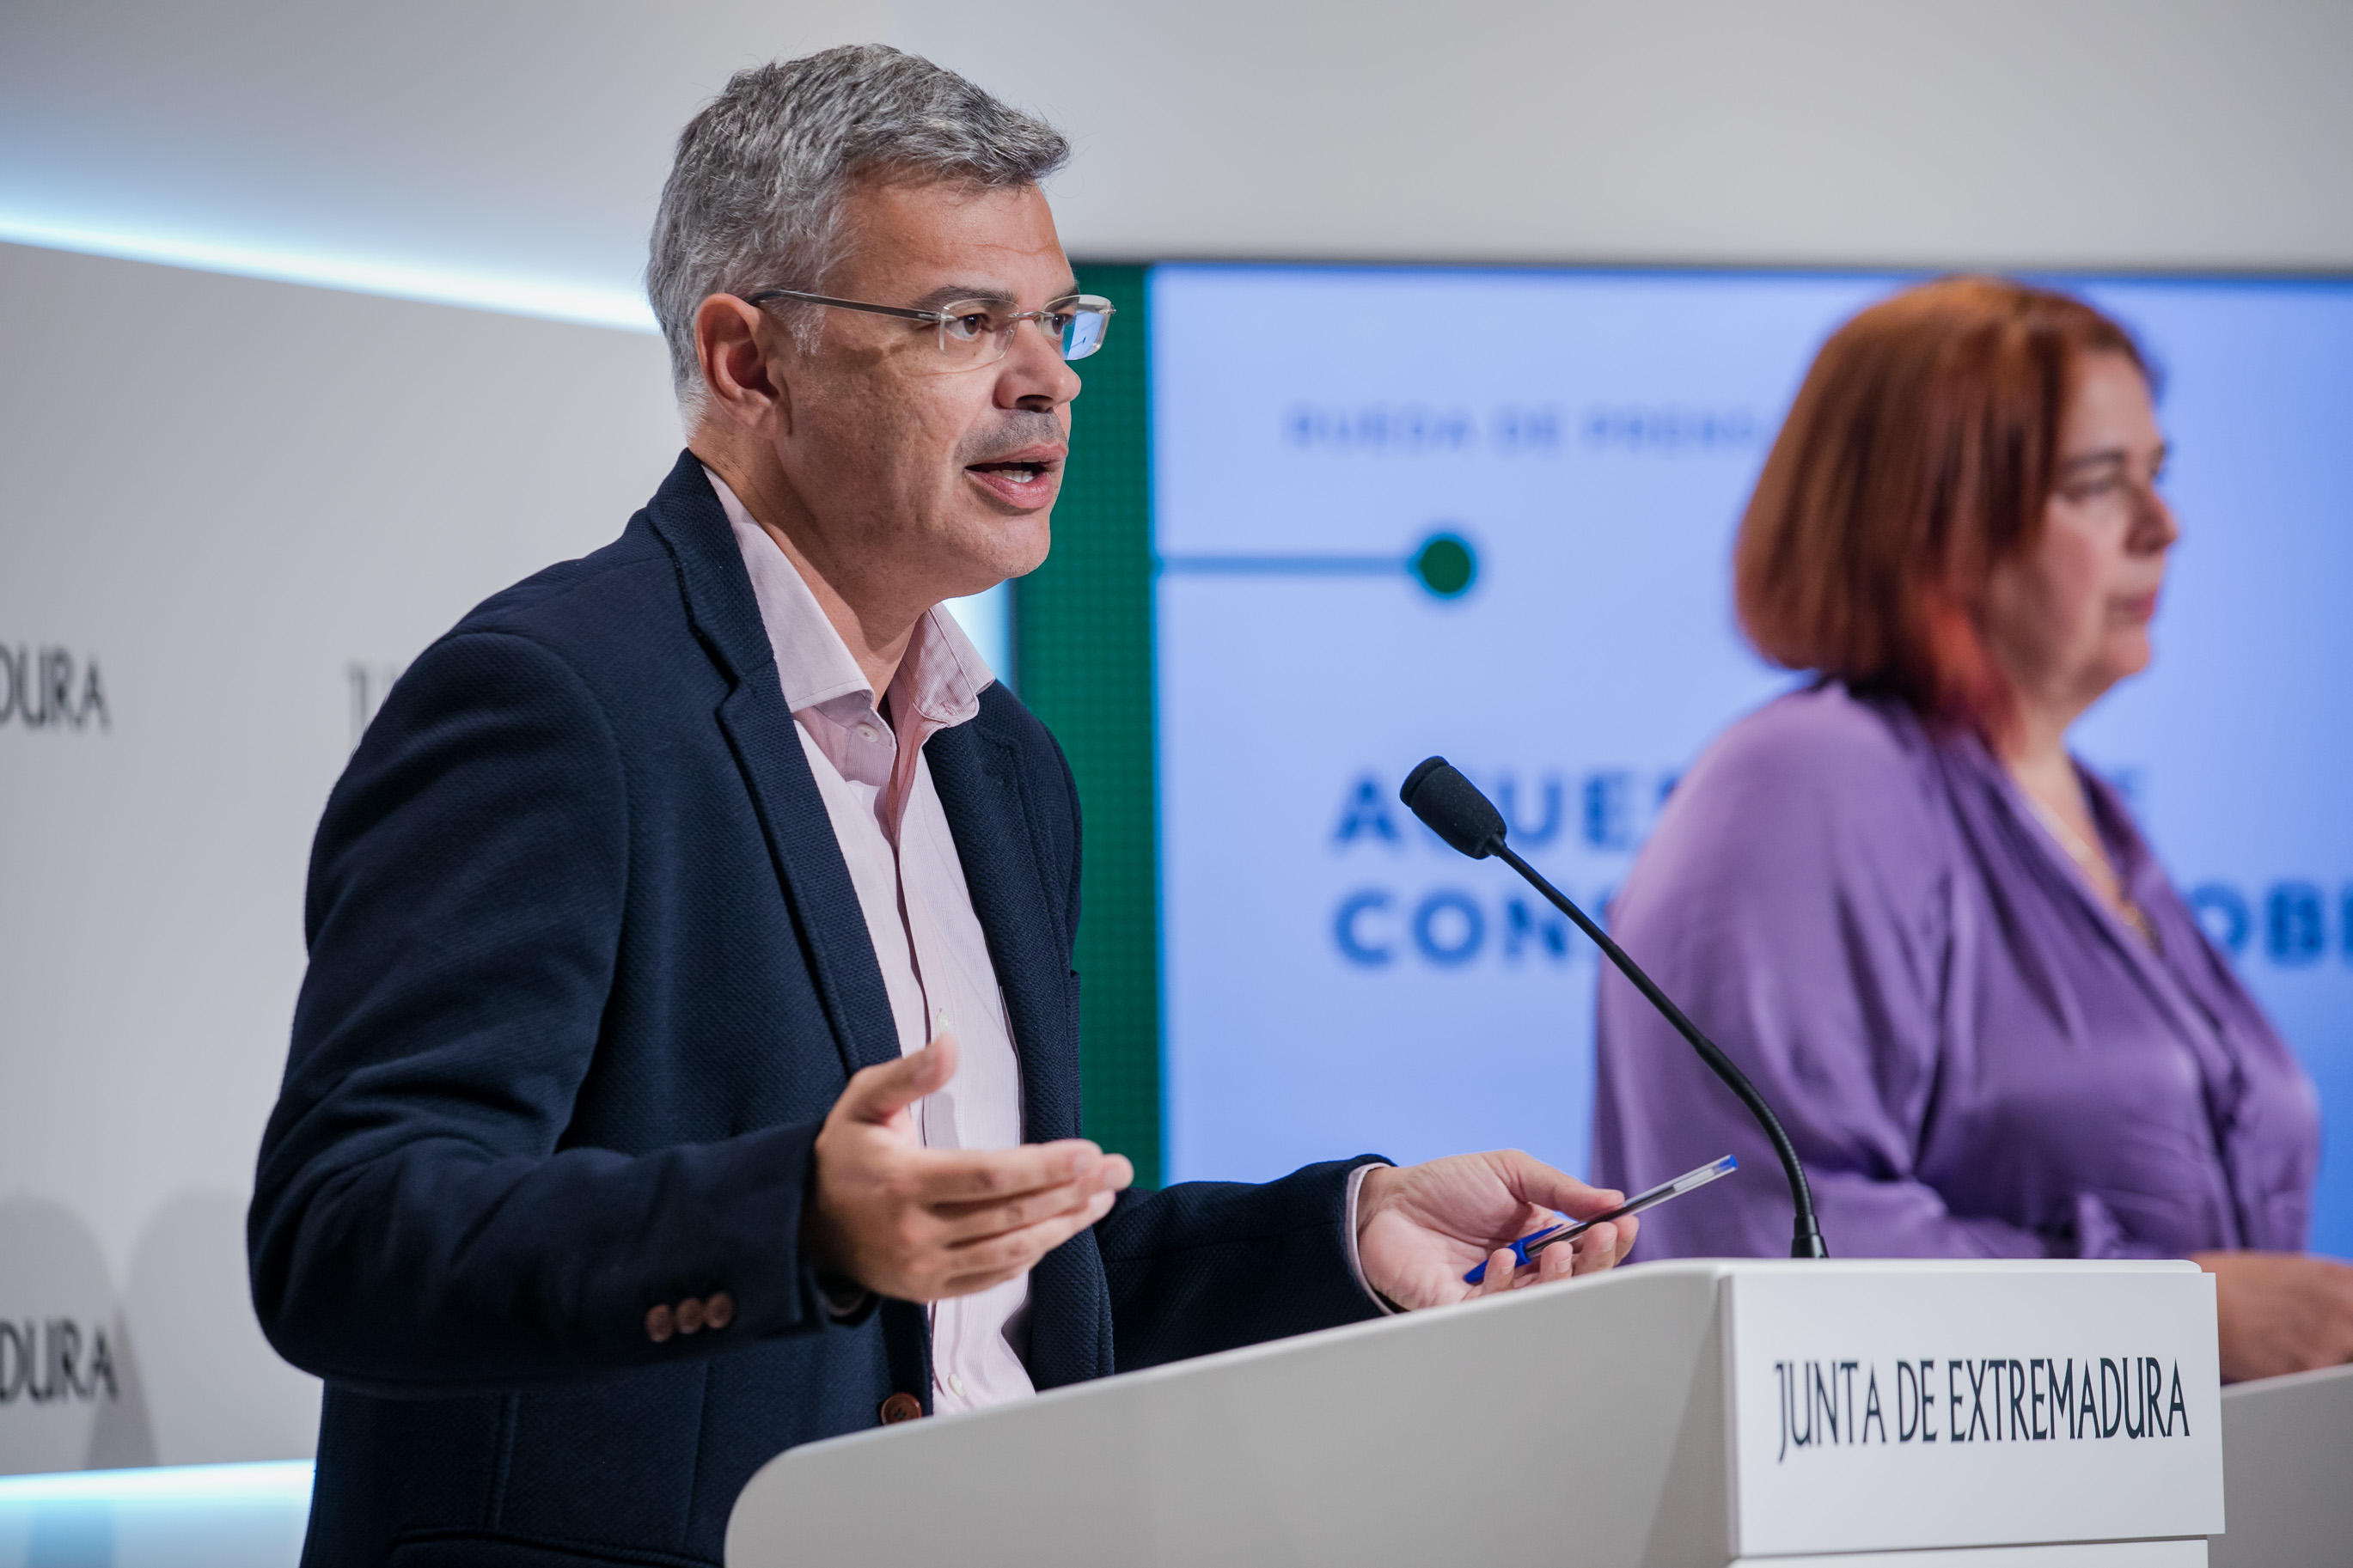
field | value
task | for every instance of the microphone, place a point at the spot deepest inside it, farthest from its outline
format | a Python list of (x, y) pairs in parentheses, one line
[(1453, 809)]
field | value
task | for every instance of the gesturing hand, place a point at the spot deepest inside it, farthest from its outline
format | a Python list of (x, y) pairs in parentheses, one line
[(1420, 1228), (922, 1224)]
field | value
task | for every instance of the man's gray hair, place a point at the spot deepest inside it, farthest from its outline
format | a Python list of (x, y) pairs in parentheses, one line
[(753, 199)]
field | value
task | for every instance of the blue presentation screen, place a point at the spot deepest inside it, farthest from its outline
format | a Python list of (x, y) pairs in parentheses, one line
[(1336, 449)]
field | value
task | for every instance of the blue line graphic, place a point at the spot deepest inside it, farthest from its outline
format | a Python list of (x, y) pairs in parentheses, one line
[(1444, 564)]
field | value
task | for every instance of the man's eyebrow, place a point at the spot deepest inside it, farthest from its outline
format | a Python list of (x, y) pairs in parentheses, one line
[(990, 294), (964, 293)]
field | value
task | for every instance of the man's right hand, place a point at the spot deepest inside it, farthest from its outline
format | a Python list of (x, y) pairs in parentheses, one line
[(922, 1224)]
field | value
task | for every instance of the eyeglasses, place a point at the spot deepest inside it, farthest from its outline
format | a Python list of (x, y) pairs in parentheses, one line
[(974, 332)]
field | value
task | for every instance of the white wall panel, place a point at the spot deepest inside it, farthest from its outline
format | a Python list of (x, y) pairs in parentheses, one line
[(524, 139), (225, 494), (2014, 132)]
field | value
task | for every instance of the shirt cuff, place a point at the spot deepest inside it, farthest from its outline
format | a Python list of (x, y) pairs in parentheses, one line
[(1357, 1264)]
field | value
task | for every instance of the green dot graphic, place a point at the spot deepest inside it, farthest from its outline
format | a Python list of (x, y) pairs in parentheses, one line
[(1446, 565)]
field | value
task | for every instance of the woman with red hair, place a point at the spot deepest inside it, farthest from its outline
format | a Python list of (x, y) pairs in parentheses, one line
[(1937, 941)]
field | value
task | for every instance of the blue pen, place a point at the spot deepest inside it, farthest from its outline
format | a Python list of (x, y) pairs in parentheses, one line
[(1524, 1250)]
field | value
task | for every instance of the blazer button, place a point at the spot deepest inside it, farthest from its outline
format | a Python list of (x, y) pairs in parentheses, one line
[(690, 1315), (719, 1311), (900, 1407), (660, 1323)]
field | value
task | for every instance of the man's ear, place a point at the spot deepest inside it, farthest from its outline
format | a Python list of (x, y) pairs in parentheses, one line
[(731, 341)]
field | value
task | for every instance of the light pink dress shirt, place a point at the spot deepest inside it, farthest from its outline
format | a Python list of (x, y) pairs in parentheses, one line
[(894, 838), (936, 966)]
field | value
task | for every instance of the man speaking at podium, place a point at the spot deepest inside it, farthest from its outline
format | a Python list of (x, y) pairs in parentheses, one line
[(688, 1062)]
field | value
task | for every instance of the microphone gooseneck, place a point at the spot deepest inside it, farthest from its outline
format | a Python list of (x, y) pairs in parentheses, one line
[(1454, 810)]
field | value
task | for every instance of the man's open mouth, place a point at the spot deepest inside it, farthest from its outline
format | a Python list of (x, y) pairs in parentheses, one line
[(1019, 473), (1019, 481)]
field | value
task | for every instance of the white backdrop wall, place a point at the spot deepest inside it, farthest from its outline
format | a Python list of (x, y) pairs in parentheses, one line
[(526, 139), (226, 495), (246, 503)]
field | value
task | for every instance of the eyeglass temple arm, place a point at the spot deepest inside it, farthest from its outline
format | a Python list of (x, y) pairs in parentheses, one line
[(902, 312)]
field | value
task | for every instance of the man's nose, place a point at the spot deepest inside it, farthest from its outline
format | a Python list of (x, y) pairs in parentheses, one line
[(1033, 375)]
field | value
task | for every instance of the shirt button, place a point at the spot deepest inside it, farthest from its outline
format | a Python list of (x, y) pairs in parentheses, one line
[(660, 1323), (900, 1408), (957, 1384), (866, 731)]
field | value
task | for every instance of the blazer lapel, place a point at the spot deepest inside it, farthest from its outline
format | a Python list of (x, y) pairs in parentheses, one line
[(1000, 817), (826, 914), (989, 816)]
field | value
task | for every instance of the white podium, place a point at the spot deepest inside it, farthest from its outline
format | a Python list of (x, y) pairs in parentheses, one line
[(2287, 1453), (1678, 1415)]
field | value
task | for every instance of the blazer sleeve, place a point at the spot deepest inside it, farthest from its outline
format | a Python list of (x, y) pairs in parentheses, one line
[(419, 1224), (1207, 1265)]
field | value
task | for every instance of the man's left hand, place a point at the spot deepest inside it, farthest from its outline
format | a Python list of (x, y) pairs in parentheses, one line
[(1420, 1228)]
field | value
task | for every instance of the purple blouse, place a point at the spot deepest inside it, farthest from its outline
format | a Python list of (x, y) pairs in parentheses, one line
[(1975, 1056)]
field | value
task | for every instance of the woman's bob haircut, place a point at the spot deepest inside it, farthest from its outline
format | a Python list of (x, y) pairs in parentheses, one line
[(1920, 454)]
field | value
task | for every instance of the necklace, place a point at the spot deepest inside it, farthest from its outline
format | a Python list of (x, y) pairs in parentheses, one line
[(2098, 868)]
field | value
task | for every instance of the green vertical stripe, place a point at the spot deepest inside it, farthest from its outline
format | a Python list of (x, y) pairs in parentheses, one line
[(1082, 660)]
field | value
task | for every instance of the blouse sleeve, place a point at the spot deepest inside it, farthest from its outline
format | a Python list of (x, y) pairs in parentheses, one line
[(1794, 901)]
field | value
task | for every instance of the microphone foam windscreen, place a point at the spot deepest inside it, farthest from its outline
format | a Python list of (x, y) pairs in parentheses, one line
[(1453, 806)]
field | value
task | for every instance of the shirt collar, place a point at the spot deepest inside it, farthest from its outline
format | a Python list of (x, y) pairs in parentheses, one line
[(940, 680)]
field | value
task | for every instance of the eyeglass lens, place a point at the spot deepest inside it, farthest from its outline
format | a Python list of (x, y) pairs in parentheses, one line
[(1083, 332), (974, 333)]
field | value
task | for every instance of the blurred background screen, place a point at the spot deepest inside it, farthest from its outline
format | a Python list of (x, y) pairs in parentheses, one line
[(1489, 513)]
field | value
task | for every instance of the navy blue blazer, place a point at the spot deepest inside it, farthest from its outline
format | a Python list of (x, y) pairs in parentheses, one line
[(586, 972)]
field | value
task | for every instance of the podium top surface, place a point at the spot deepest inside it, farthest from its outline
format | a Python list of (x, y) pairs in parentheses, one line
[(1708, 1272), (1705, 1409)]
